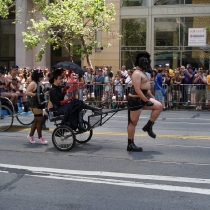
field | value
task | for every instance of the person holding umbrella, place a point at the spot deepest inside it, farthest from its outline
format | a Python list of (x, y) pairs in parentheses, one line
[(71, 108)]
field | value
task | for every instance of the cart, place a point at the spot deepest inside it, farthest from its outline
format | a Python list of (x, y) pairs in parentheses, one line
[(64, 137)]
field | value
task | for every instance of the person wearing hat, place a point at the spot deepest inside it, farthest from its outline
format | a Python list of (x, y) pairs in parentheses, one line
[(140, 98), (13, 87), (171, 72)]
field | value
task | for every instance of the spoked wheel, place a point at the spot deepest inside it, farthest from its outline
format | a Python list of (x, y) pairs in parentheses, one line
[(63, 138), (83, 137), (6, 118), (25, 118)]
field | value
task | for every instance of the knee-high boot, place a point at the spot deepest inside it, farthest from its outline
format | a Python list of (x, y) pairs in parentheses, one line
[(25, 107), (148, 128)]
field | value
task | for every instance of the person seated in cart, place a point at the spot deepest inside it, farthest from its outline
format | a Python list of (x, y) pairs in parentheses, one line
[(71, 108)]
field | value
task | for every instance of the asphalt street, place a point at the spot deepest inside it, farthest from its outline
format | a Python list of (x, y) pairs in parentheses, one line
[(173, 171)]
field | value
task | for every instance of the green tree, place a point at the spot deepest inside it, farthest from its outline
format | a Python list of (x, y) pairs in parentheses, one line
[(62, 22), (5, 6)]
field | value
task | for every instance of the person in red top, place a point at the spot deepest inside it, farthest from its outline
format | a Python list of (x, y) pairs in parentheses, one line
[(73, 83), (71, 108)]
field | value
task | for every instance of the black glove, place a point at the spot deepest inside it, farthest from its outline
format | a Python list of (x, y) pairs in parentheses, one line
[(149, 103)]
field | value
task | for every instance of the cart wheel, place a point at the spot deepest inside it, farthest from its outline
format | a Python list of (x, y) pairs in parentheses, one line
[(83, 137), (6, 118), (63, 138), (25, 118)]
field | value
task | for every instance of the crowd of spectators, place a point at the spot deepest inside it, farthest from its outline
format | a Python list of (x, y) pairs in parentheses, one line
[(104, 87), (177, 86)]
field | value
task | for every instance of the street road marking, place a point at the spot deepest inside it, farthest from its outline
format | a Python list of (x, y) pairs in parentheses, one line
[(84, 176), (185, 137)]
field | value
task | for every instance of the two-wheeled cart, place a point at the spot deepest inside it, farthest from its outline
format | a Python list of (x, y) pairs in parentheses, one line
[(64, 137)]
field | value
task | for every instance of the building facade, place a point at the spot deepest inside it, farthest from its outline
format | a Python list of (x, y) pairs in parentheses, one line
[(157, 26)]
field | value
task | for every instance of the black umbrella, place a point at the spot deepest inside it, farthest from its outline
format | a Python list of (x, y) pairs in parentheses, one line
[(69, 66)]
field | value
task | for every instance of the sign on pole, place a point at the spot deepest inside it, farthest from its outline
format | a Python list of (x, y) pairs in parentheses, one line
[(196, 37)]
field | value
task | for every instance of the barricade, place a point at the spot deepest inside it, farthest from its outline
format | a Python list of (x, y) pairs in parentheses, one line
[(115, 96)]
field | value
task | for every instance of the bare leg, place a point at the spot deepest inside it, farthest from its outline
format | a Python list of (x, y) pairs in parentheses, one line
[(132, 122), (133, 117), (156, 110), (9, 95)]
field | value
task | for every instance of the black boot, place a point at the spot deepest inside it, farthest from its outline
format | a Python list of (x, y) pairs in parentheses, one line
[(44, 127), (132, 147), (81, 125), (15, 108), (25, 107), (148, 128), (93, 108)]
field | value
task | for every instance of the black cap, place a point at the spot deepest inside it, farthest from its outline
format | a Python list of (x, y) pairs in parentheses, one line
[(15, 67), (2, 68)]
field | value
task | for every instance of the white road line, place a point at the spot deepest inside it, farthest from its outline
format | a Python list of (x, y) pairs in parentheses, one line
[(63, 174), (129, 184), (109, 174)]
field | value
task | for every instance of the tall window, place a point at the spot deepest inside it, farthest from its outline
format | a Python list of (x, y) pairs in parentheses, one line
[(7, 42), (168, 2), (171, 42), (129, 3), (133, 39)]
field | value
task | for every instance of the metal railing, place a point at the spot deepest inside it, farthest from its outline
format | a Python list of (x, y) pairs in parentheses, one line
[(114, 96)]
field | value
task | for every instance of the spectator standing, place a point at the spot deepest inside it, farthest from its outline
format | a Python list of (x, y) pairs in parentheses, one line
[(89, 81), (108, 70), (118, 90), (124, 71), (98, 86), (176, 93), (183, 91), (128, 83), (188, 81), (208, 88), (159, 96), (167, 68), (108, 93), (152, 81), (167, 86), (200, 81), (73, 82), (80, 86)]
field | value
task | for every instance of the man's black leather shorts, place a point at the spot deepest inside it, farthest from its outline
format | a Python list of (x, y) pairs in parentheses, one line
[(135, 104)]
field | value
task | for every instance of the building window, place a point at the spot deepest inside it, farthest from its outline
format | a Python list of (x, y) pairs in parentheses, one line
[(166, 32), (166, 2), (133, 39), (171, 42), (130, 3), (7, 42)]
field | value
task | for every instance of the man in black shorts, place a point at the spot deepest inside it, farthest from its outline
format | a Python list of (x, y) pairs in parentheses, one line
[(140, 98)]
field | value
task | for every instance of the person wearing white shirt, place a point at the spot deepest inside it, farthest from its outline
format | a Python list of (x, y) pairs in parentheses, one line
[(124, 71)]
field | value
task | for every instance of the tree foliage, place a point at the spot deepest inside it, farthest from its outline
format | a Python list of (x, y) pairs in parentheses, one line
[(5, 6), (64, 21)]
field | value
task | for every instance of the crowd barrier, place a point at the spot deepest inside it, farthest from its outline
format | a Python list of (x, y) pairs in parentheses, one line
[(115, 96)]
